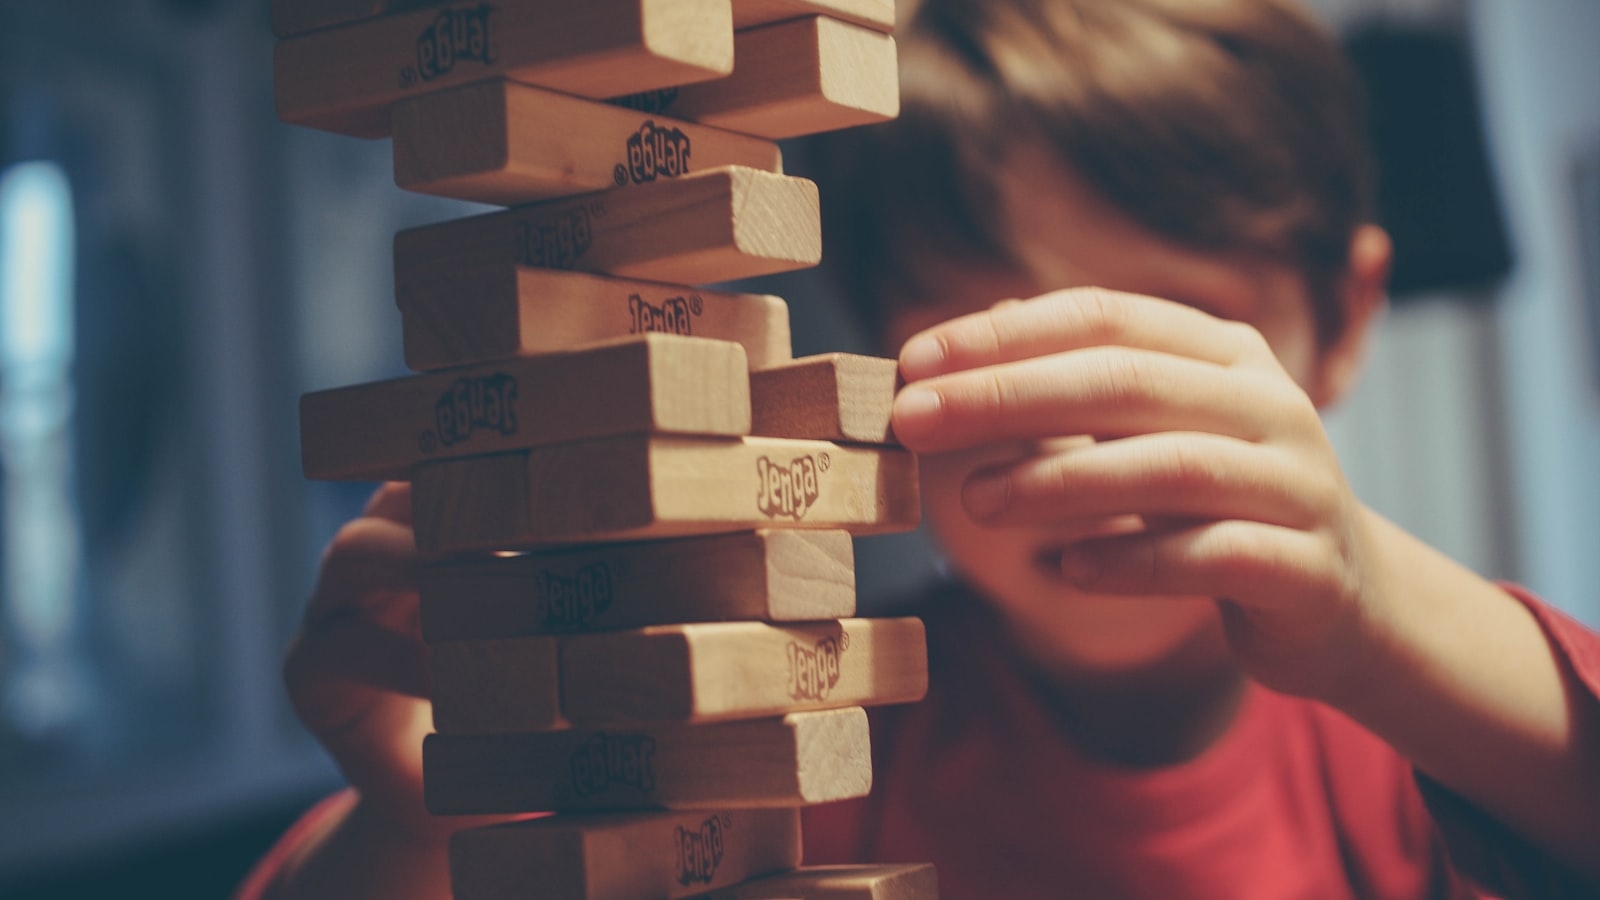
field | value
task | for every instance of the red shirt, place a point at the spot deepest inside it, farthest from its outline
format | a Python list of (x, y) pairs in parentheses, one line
[(1293, 801)]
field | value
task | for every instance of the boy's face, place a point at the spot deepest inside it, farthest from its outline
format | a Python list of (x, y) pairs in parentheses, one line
[(1072, 238)]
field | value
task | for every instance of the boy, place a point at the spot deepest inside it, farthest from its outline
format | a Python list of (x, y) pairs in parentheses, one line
[(1175, 656)]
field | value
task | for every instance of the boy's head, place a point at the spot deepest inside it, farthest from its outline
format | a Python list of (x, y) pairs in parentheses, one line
[(1211, 152), (1226, 126)]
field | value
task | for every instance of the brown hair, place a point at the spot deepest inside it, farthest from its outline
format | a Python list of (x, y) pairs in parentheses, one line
[(1225, 125)]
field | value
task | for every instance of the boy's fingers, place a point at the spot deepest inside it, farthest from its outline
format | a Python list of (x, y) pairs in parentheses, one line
[(391, 501), (356, 692), (1101, 391), (1184, 475), (1247, 562), (354, 653), (1072, 320), (368, 563)]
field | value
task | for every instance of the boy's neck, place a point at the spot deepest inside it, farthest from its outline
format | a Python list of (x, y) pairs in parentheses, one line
[(1162, 714)]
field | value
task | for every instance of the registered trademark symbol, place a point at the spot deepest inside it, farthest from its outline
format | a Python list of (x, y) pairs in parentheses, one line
[(727, 820), (824, 462), (597, 209), (844, 641), (427, 443), (620, 174), (408, 77)]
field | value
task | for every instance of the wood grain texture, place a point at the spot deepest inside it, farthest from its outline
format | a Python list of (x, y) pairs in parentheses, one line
[(800, 759), (805, 76), (626, 489), (524, 695), (654, 383), (875, 14), (718, 225), (507, 144), (832, 397), (891, 882), (346, 79), (622, 857), (774, 576), (519, 311), (741, 670)]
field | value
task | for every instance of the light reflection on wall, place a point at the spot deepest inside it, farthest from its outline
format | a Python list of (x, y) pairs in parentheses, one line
[(47, 686)]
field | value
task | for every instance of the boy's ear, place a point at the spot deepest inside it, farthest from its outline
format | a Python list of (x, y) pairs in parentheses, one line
[(1364, 293)]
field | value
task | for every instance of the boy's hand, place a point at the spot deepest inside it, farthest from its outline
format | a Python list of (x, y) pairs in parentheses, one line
[(357, 674), (357, 670), (1197, 425)]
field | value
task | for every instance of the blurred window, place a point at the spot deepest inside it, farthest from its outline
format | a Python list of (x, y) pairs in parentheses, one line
[(47, 688)]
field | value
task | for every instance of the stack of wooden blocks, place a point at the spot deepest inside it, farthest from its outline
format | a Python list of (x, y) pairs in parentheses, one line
[(634, 506)]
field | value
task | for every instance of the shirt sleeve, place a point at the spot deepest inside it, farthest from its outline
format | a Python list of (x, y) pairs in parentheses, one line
[(259, 884), (1482, 848)]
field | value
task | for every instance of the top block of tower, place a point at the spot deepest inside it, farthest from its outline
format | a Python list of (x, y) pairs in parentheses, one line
[(804, 76), (346, 79), (295, 17)]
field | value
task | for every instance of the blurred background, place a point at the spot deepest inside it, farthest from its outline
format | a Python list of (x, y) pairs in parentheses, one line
[(176, 267)]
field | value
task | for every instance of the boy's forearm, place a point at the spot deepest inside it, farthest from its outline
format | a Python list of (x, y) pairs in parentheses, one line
[(362, 855), (1466, 684)]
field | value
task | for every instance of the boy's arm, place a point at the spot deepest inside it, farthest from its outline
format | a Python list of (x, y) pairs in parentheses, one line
[(340, 850), (1468, 683), (1320, 597)]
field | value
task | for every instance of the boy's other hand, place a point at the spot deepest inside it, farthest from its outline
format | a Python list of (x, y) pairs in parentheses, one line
[(1197, 425), (357, 669)]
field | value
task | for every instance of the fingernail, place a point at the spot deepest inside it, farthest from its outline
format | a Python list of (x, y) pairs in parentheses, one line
[(1080, 567), (916, 412), (921, 357), (987, 496)]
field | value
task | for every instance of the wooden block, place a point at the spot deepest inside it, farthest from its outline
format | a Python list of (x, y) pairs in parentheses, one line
[(771, 576), (622, 857), (794, 78), (508, 144), (518, 311), (718, 225), (346, 79), (639, 488), (292, 17), (913, 882), (800, 759), (524, 696), (833, 397), (741, 670), (655, 383), (875, 14)]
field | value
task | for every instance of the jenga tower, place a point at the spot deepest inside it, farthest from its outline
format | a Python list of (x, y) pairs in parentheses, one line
[(634, 506)]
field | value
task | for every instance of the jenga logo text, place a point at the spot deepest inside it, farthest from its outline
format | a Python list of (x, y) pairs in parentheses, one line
[(485, 402), (573, 603), (656, 153), (787, 491), (700, 851), (652, 103), (675, 315), (556, 245), (814, 671), (457, 35), (614, 759)]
